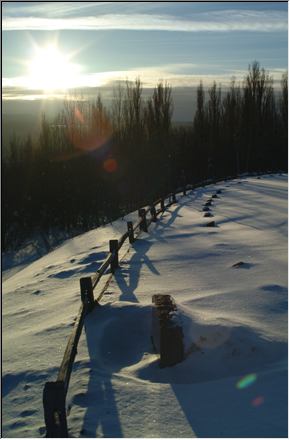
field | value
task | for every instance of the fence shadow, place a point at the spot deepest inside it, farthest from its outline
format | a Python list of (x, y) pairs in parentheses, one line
[(99, 399), (128, 280), (113, 344)]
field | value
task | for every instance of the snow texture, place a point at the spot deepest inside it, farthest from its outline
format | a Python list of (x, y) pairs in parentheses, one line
[(230, 286)]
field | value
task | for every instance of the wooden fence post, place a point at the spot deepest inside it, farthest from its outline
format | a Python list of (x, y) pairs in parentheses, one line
[(153, 214), (87, 293), (143, 224), (162, 207), (114, 249), (166, 332), (54, 410), (130, 232)]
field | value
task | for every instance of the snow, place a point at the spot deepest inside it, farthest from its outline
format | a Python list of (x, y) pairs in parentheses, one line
[(233, 382)]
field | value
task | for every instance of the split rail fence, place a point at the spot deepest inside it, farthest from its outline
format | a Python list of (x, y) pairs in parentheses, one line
[(54, 393)]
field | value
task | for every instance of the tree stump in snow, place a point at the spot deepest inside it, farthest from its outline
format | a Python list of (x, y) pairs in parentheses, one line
[(167, 335)]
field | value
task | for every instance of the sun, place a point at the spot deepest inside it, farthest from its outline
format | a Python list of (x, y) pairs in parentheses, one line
[(50, 70)]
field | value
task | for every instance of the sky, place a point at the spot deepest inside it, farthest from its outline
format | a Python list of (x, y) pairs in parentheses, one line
[(49, 48)]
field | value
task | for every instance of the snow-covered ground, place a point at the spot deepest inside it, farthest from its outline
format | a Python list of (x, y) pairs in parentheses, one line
[(233, 382)]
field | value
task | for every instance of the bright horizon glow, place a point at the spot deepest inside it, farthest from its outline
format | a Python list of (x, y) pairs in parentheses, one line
[(57, 85), (53, 49), (50, 70)]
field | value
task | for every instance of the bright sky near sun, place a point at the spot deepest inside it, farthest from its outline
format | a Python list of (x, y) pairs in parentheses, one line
[(50, 47)]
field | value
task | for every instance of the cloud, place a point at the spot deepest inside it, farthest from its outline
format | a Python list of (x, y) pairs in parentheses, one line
[(212, 21), (17, 87), (49, 9)]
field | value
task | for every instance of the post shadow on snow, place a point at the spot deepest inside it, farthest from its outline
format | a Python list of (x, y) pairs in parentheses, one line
[(168, 218), (278, 192), (116, 338), (127, 280), (86, 265)]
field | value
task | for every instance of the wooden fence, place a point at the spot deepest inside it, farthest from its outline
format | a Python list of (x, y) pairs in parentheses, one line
[(54, 393)]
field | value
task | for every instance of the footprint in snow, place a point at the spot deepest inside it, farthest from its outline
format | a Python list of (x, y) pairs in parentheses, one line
[(242, 265), (211, 224), (42, 430), (27, 413), (275, 288), (208, 214), (63, 274), (36, 292)]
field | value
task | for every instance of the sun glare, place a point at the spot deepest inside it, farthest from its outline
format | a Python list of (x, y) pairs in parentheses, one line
[(50, 70)]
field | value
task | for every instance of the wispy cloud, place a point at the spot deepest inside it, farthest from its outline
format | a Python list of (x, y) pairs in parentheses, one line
[(212, 21), (50, 9)]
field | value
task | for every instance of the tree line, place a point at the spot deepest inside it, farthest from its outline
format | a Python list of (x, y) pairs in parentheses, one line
[(93, 164)]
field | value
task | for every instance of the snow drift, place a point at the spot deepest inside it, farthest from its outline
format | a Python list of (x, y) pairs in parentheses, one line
[(230, 286)]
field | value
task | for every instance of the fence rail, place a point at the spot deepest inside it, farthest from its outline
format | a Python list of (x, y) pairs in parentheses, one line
[(54, 393)]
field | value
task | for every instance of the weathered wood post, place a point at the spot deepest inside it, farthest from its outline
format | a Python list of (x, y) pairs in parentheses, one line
[(153, 214), (162, 207), (143, 224), (114, 249), (54, 395), (87, 293), (166, 332), (130, 232)]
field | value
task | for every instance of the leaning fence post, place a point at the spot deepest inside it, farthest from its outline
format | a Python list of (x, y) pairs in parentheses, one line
[(54, 395), (130, 232), (114, 249), (143, 223), (87, 293), (153, 214)]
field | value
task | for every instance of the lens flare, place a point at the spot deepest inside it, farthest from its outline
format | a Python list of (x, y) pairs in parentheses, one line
[(79, 116), (259, 400), (110, 165), (246, 381), (88, 132)]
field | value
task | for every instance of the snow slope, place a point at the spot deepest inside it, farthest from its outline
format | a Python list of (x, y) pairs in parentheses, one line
[(233, 382)]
